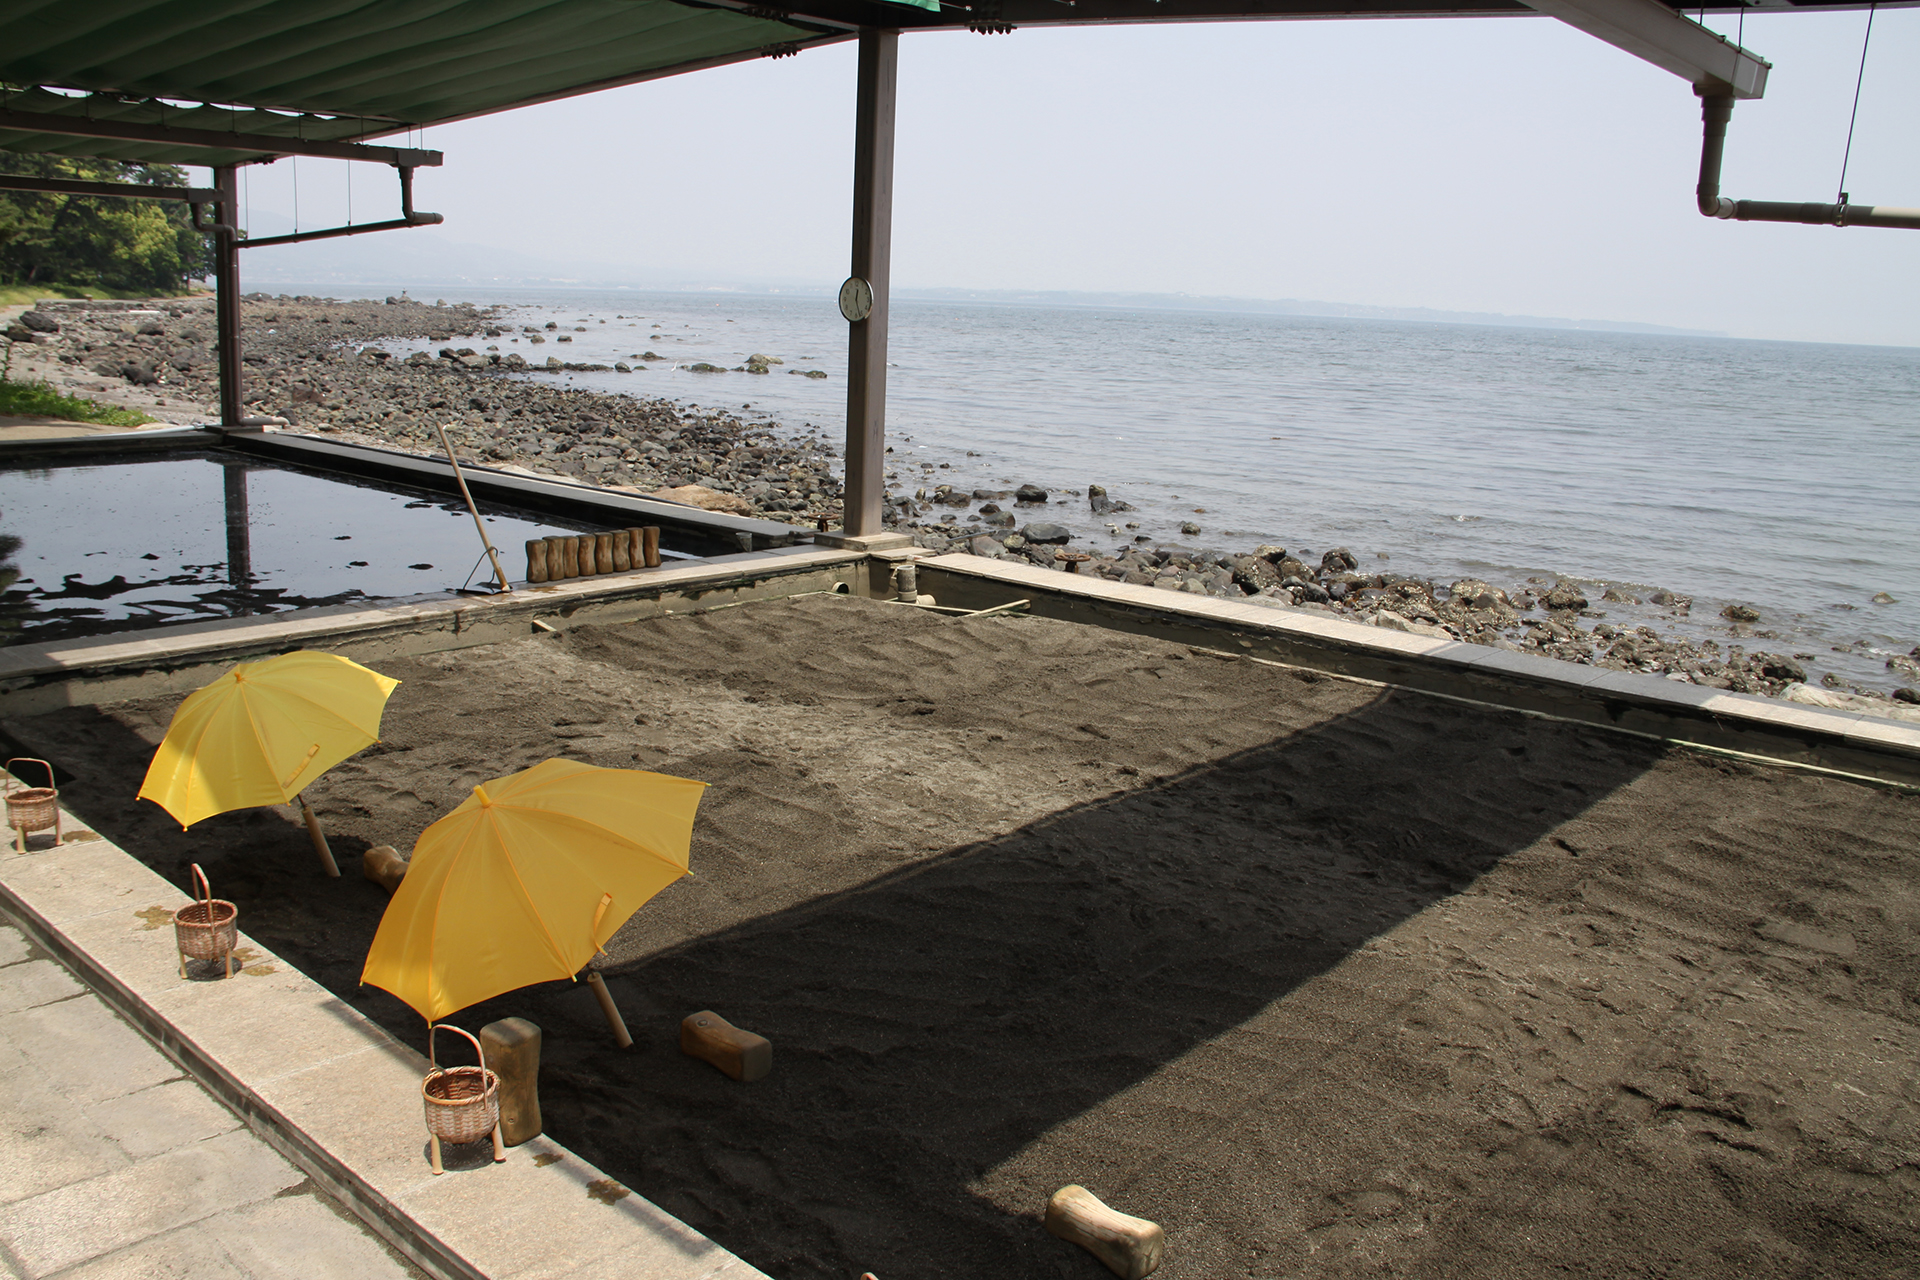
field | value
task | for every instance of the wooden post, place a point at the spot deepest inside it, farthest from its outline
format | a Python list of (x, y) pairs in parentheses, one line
[(622, 550), (650, 545), (589, 555), (603, 552), (570, 557), (872, 261), (511, 1047), (319, 839), (556, 559), (614, 1021), (536, 560), (226, 291)]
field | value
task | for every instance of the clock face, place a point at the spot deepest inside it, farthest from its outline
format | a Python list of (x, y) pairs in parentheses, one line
[(856, 299)]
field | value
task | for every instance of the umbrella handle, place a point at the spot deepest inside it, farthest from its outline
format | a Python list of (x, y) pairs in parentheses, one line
[(320, 845)]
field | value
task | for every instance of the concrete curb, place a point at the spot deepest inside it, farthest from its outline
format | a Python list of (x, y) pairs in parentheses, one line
[(335, 1094), (1844, 742)]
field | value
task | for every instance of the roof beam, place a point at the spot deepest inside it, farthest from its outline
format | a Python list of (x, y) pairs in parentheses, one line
[(70, 187), (269, 145), (1650, 30)]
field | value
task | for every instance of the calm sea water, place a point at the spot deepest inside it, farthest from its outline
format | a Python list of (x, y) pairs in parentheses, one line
[(1775, 474)]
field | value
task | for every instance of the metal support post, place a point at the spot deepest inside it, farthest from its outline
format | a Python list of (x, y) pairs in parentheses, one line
[(226, 284), (872, 254)]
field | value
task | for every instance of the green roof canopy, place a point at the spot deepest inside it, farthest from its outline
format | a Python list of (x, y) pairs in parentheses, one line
[(336, 70)]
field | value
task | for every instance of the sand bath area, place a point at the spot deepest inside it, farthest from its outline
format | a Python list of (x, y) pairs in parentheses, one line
[(1326, 978)]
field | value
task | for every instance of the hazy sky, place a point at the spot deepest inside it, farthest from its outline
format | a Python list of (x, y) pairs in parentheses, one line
[(1511, 165)]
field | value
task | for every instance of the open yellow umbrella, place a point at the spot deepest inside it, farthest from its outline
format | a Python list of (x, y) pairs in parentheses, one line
[(262, 732), (527, 879)]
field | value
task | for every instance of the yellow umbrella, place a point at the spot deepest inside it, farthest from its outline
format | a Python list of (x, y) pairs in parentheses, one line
[(262, 732), (527, 879)]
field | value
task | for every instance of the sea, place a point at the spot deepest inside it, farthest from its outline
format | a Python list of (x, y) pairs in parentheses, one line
[(1780, 475)]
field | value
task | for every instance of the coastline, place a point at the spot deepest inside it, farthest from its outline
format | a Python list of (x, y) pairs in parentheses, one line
[(317, 364)]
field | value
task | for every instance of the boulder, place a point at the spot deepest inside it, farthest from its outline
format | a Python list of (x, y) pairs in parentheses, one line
[(1394, 622), (1050, 533), (1339, 560), (1777, 666), (1740, 613), (39, 322), (1255, 574), (1029, 493), (1565, 595), (696, 495), (1472, 593), (1289, 567)]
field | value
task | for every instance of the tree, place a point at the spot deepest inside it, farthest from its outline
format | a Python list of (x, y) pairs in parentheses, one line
[(103, 242)]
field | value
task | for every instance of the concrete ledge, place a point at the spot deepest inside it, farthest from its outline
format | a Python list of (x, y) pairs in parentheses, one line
[(36, 678), (1843, 741), (337, 1095)]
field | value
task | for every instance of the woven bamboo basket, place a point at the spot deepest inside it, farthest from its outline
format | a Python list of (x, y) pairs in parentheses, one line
[(32, 808), (207, 928), (463, 1103)]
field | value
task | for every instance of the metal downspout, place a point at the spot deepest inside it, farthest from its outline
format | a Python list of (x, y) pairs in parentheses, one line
[(1716, 109)]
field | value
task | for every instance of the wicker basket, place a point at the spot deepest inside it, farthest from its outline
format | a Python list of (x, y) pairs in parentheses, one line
[(208, 928), (32, 808), (463, 1103)]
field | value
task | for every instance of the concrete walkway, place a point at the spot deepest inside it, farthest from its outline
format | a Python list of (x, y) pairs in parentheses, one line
[(113, 1163)]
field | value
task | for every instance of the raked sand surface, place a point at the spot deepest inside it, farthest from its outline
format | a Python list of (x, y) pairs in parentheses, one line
[(1328, 979)]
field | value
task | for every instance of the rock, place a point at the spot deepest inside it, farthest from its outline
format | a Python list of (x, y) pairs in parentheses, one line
[(620, 366), (1613, 595), (1267, 551), (1394, 622), (1255, 574), (1775, 666), (1042, 556), (805, 373), (1040, 532), (1740, 613), (696, 495), (1189, 528), (1472, 593), (1291, 567), (150, 329), (1904, 694), (756, 366), (1879, 597), (1029, 493), (39, 322), (1339, 560), (998, 518), (1841, 701), (757, 358), (1565, 595), (19, 333)]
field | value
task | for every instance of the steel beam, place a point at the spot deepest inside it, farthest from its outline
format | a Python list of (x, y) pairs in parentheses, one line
[(226, 296), (872, 261), (214, 139), (1650, 30), (71, 187)]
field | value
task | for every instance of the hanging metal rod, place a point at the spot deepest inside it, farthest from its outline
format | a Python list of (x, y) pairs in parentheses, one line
[(1716, 109), (214, 139), (409, 217)]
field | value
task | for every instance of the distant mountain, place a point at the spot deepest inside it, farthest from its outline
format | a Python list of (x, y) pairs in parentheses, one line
[(424, 258), (1283, 307)]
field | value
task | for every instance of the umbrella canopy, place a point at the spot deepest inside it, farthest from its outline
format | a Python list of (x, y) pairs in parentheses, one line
[(263, 731), (526, 879)]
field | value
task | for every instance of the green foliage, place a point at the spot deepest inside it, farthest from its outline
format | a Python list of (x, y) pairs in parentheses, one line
[(38, 400), (97, 242)]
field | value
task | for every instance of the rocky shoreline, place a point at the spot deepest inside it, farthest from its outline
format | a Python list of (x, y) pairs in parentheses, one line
[(320, 365)]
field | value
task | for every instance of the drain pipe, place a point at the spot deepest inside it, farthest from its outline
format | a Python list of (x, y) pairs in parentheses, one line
[(1715, 110)]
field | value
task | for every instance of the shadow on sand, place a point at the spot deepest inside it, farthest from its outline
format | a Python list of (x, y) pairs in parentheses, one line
[(931, 1024)]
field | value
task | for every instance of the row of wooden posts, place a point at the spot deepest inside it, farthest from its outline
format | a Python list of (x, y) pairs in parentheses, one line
[(551, 559)]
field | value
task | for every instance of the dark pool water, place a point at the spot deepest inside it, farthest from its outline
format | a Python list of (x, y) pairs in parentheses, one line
[(123, 544)]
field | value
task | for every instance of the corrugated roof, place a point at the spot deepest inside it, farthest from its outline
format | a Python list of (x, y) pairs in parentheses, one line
[(351, 67)]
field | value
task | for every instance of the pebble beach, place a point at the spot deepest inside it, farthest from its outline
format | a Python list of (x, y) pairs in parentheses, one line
[(384, 372)]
